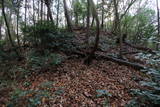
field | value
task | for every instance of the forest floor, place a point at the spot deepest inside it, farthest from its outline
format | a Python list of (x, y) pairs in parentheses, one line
[(80, 82), (74, 84)]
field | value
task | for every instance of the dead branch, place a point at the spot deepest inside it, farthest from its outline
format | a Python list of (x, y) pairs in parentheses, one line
[(140, 48)]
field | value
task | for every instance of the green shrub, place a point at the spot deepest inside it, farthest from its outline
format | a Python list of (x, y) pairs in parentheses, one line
[(18, 73), (46, 35), (149, 97), (36, 61), (31, 98), (34, 98), (106, 95)]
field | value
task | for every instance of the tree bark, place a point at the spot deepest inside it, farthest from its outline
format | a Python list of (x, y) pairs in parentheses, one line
[(67, 16), (89, 59), (102, 24), (158, 20), (140, 48), (38, 10), (108, 58), (1, 29), (41, 11), (92, 24), (118, 26), (33, 12), (76, 18), (57, 19), (0, 32), (25, 17), (121, 62), (8, 29), (18, 40), (88, 22), (48, 2), (76, 12)]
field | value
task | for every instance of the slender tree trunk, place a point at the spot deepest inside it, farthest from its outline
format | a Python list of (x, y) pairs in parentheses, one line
[(88, 21), (33, 13), (8, 29), (158, 20), (44, 12), (38, 9), (41, 11), (74, 4), (67, 16), (118, 26), (102, 24), (34, 22), (18, 40), (48, 15), (95, 15), (1, 24), (92, 24), (48, 2), (83, 20), (25, 18), (0, 31), (57, 19), (76, 18), (25, 14)]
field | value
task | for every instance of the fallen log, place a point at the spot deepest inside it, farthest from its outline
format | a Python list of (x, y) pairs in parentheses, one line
[(109, 58), (126, 53), (121, 61), (69, 53), (140, 48)]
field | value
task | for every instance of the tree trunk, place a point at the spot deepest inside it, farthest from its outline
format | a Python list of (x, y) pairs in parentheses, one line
[(34, 22), (121, 62), (118, 26), (1, 23), (108, 58), (8, 30), (92, 24), (102, 24), (25, 16), (18, 40), (95, 15), (76, 18), (140, 48), (41, 11), (88, 21), (48, 2), (158, 20), (44, 12), (57, 19), (67, 16), (0, 31), (83, 20), (33, 13), (38, 10)]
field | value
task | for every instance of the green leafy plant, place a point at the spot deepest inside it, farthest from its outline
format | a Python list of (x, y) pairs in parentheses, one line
[(55, 59), (106, 94), (37, 61), (47, 84), (149, 97), (26, 84), (18, 73), (152, 60), (34, 98), (45, 35)]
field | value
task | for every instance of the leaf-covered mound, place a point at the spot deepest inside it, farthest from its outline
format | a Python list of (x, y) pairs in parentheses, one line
[(76, 84)]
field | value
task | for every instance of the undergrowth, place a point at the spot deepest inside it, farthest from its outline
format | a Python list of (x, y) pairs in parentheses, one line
[(150, 97)]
